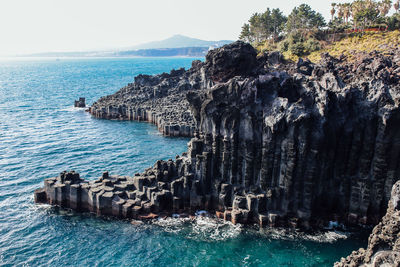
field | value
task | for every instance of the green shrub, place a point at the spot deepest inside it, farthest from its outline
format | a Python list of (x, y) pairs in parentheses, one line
[(297, 49), (294, 37), (312, 45), (284, 46), (300, 43), (393, 22)]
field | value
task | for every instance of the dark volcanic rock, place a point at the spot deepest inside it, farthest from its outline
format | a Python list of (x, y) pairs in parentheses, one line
[(80, 103), (318, 145), (158, 99), (236, 59), (295, 144), (384, 242)]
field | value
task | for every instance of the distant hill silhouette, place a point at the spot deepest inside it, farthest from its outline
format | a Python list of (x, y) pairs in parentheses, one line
[(178, 41), (164, 52), (177, 45)]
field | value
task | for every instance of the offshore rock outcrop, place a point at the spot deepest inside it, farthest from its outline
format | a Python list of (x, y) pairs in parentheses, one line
[(384, 242), (80, 103), (273, 143)]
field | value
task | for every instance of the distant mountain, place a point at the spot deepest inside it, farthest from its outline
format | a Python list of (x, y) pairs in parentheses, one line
[(177, 45), (157, 52), (178, 41), (164, 52)]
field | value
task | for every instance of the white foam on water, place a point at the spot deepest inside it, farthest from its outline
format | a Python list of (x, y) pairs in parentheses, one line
[(320, 237), (200, 228), (73, 109), (327, 237), (171, 225), (214, 229)]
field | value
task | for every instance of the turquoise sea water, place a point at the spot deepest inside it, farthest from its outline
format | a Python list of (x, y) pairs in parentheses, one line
[(41, 134)]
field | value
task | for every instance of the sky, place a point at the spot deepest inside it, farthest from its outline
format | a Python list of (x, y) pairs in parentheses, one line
[(31, 26)]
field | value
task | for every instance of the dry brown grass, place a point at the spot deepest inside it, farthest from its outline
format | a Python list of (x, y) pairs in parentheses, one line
[(367, 42), (348, 46)]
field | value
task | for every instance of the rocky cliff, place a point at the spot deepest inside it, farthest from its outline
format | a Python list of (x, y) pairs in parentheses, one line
[(384, 242), (273, 143), (158, 99), (161, 99)]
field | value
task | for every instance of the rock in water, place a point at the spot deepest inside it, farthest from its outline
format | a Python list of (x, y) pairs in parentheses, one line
[(273, 143), (80, 103), (384, 242)]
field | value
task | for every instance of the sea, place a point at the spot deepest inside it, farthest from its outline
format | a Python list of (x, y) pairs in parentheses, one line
[(42, 134)]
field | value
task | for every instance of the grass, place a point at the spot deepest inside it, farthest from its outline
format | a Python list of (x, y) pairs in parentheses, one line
[(348, 46), (366, 42)]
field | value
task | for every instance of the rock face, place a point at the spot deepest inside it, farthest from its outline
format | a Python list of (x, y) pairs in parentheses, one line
[(237, 59), (274, 143), (384, 241), (80, 103), (321, 140), (158, 99)]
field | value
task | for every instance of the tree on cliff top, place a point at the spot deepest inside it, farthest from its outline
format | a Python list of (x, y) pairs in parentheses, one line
[(263, 26), (278, 22), (302, 27), (303, 18), (245, 34), (364, 13)]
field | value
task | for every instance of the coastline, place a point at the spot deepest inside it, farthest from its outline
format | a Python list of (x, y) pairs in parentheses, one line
[(271, 145), (148, 116)]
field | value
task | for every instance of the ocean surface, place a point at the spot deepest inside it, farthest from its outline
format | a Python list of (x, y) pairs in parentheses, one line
[(41, 134)]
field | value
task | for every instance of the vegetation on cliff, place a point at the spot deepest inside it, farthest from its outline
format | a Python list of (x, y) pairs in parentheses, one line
[(367, 42), (305, 32)]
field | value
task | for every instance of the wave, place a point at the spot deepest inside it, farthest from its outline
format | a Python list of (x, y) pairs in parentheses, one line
[(320, 237), (200, 228)]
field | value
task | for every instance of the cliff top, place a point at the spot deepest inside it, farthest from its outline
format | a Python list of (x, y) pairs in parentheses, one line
[(368, 42)]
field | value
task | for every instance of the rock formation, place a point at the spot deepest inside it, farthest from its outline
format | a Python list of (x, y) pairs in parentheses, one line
[(80, 103), (384, 242), (273, 143), (161, 99), (158, 99)]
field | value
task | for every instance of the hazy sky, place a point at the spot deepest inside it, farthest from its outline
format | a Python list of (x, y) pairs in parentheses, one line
[(72, 25)]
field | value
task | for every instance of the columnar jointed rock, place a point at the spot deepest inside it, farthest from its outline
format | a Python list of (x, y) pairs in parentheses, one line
[(120, 196), (158, 99), (315, 143), (384, 242), (292, 144)]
